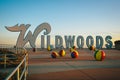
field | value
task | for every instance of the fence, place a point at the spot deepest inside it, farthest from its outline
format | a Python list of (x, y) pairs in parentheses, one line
[(21, 71)]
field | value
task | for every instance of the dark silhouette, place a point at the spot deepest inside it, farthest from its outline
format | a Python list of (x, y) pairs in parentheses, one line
[(117, 44)]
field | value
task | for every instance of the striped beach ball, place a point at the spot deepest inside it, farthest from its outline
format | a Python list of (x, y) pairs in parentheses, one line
[(92, 48), (49, 48), (99, 55), (74, 47), (54, 54), (62, 53), (74, 54), (71, 49)]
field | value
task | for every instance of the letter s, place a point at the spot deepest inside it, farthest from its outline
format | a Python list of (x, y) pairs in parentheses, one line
[(109, 42)]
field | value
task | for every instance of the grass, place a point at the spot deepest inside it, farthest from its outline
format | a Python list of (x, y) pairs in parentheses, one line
[(12, 61)]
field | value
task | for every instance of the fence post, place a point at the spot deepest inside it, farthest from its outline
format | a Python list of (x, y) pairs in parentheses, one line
[(27, 64), (5, 60), (18, 74), (25, 68)]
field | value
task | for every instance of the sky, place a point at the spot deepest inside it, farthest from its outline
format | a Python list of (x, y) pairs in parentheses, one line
[(66, 17)]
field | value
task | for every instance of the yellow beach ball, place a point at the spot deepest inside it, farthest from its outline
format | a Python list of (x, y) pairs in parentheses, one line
[(62, 53), (99, 55), (49, 48), (71, 49)]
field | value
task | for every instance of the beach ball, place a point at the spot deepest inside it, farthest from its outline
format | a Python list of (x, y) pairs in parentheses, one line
[(54, 54), (74, 47), (71, 49), (99, 55), (49, 48), (92, 48), (74, 54), (62, 53)]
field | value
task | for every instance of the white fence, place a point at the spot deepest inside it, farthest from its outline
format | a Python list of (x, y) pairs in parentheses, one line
[(21, 71)]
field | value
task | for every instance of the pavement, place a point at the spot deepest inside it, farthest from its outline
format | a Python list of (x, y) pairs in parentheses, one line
[(85, 67)]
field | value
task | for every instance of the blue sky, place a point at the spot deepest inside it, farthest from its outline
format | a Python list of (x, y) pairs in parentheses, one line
[(66, 17)]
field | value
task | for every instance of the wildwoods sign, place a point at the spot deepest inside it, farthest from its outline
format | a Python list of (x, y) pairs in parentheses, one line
[(69, 40)]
